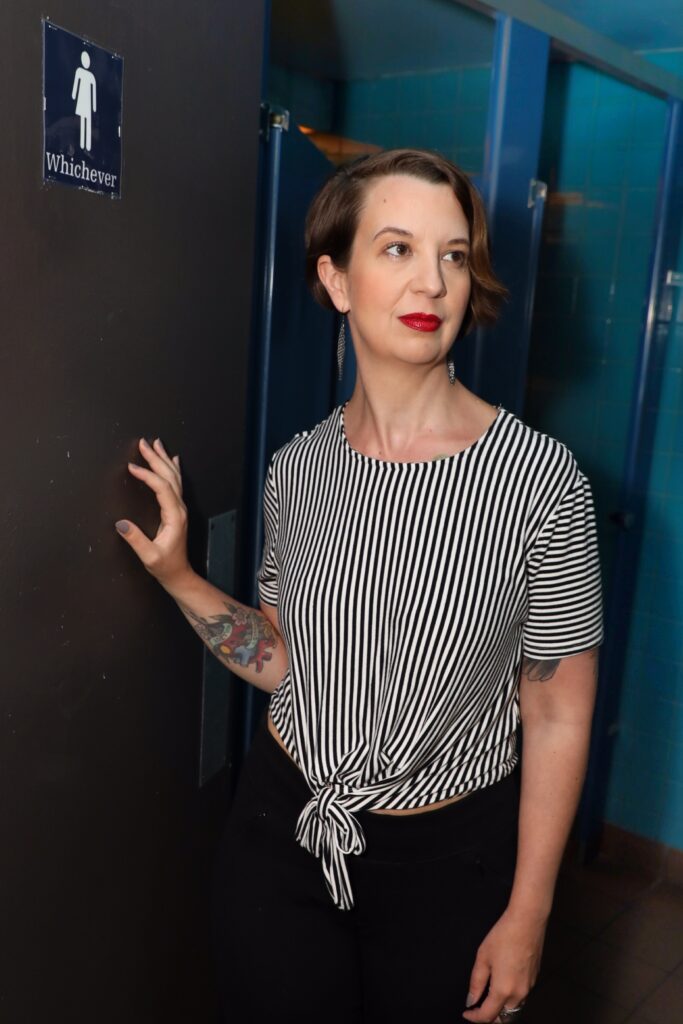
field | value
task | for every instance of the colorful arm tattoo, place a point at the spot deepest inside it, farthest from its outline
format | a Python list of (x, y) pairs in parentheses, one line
[(242, 636)]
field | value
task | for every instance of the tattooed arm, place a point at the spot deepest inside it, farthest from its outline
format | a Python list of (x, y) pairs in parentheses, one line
[(246, 640), (242, 638)]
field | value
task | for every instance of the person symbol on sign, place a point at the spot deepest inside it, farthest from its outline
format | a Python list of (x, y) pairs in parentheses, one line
[(85, 94)]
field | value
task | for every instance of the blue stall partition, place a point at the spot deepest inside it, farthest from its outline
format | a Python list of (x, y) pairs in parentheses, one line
[(493, 362), (293, 382)]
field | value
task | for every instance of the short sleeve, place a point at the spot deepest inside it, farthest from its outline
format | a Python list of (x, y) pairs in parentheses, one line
[(565, 613), (268, 571)]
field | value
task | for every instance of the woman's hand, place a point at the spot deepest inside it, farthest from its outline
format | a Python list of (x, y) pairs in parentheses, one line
[(165, 557), (510, 957)]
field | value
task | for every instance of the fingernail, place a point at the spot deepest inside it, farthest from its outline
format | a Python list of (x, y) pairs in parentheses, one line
[(144, 442), (470, 1001), (159, 442), (122, 526)]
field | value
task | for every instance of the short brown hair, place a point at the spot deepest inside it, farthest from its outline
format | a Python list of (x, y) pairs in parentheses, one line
[(332, 221)]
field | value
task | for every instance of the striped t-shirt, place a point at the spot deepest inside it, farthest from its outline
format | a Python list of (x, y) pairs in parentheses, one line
[(407, 593)]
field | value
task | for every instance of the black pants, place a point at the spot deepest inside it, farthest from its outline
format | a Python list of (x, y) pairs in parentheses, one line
[(427, 889)]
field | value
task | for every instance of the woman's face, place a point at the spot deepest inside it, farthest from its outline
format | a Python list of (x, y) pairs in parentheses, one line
[(409, 255)]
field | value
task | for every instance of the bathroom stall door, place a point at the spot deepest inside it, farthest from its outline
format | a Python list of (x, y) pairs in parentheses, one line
[(612, 761), (493, 361), (594, 383), (121, 318), (300, 386)]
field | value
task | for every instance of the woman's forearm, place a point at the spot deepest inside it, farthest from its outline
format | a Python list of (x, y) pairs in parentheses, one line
[(554, 760), (242, 638)]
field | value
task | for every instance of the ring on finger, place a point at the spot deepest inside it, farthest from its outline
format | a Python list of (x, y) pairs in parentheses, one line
[(508, 1012)]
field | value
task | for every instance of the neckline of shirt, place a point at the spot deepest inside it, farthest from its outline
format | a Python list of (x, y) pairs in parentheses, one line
[(423, 462)]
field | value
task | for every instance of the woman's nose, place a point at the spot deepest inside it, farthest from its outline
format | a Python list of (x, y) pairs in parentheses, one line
[(429, 277)]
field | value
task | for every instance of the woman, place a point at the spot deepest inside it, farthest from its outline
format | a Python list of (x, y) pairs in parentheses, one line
[(430, 576)]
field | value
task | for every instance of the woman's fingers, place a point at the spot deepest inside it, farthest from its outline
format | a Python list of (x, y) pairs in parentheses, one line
[(161, 559), (478, 980), (161, 465), (172, 463), (171, 504), (159, 461), (142, 546), (166, 555)]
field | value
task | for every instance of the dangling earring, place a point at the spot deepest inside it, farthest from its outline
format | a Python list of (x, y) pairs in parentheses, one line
[(451, 371), (341, 340)]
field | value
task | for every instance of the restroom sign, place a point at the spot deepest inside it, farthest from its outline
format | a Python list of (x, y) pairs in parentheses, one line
[(82, 89)]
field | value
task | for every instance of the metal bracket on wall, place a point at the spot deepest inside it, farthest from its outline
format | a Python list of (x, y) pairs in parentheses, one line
[(672, 297), (218, 682), (670, 303), (538, 191), (273, 117)]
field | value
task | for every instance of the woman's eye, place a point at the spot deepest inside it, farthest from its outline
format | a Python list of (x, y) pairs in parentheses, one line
[(456, 256), (459, 256)]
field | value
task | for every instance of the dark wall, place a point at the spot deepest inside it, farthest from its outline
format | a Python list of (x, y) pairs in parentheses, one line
[(120, 318)]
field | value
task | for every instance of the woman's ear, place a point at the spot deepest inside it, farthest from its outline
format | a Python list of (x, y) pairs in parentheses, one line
[(334, 281)]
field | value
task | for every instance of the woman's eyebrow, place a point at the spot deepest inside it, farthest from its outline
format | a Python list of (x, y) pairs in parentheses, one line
[(409, 234), (396, 231)]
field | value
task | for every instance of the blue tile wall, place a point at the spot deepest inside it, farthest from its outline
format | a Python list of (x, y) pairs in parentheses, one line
[(309, 100), (601, 155), (443, 110)]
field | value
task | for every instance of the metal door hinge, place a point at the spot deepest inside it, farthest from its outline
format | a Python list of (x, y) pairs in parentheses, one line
[(272, 117), (538, 190)]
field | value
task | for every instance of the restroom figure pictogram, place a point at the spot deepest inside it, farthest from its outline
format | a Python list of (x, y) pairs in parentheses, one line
[(85, 93)]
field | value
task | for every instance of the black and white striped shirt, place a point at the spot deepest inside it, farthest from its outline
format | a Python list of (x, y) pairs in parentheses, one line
[(406, 594)]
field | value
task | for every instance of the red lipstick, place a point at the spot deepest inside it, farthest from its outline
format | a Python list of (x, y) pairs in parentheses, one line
[(421, 321)]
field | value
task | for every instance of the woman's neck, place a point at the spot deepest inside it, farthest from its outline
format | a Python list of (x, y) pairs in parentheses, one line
[(421, 422)]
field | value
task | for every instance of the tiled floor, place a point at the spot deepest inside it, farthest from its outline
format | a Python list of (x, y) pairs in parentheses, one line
[(613, 952)]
